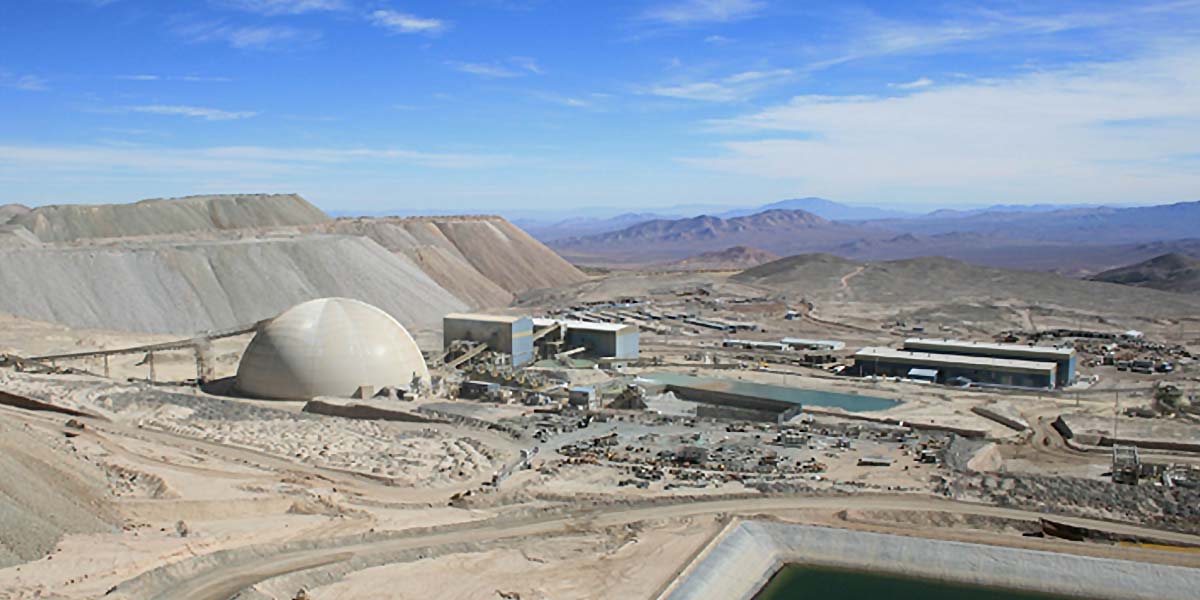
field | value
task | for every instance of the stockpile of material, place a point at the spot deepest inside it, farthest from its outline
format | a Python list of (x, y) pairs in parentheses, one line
[(72, 222), (200, 263), (483, 260), (190, 287)]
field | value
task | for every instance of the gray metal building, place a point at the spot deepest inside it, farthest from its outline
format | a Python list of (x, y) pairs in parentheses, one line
[(502, 333), (979, 369), (1064, 358), (599, 340), (603, 340)]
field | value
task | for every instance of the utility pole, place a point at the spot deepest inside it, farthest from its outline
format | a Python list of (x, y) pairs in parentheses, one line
[(1116, 413)]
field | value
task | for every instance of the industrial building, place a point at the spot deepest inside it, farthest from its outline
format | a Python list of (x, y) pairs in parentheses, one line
[(329, 347), (589, 340), (505, 334), (784, 344), (807, 344), (1064, 358), (978, 369)]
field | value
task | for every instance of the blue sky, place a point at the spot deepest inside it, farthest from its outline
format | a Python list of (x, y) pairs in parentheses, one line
[(505, 105)]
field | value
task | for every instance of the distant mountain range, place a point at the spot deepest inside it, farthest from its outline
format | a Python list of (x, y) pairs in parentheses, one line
[(826, 209), (1072, 241), (779, 231), (1092, 225), (581, 226)]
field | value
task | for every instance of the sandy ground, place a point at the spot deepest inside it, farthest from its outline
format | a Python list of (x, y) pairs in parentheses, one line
[(189, 475)]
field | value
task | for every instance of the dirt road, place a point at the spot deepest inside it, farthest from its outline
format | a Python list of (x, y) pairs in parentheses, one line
[(222, 583)]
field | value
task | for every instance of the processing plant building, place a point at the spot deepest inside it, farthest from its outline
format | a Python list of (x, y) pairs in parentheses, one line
[(592, 340), (502, 333), (943, 368), (1064, 359)]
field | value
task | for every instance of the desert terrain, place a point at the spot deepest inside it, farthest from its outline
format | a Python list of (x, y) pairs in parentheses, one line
[(131, 468)]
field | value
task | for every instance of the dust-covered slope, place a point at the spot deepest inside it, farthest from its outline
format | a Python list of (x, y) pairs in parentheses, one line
[(11, 211), (191, 287), (70, 222), (45, 492), (15, 235), (483, 260), (1171, 272), (940, 280)]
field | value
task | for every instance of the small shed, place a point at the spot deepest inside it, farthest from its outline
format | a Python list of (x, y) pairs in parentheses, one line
[(928, 375), (581, 396)]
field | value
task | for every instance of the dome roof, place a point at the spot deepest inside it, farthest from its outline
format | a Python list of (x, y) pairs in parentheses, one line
[(328, 347)]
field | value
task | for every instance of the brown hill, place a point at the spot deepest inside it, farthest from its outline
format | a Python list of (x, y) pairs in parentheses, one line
[(735, 258), (777, 231), (934, 281), (158, 217), (1171, 272), (483, 260)]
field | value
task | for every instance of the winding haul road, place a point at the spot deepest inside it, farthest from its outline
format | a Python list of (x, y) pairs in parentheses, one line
[(223, 583)]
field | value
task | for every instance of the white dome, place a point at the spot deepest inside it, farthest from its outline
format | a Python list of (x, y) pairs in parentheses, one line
[(328, 347)]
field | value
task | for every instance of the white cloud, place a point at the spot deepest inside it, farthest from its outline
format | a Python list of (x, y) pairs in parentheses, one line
[(1097, 132), (874, 36), (716, 39), (202, 79), (187, 78), (195, 112), (272, 37), (733, 88), (568, 101), (284, 7), (399, 22), (24, 83), (913, 85), (483, 70), (528, 64), (517, 66), (691, 12)]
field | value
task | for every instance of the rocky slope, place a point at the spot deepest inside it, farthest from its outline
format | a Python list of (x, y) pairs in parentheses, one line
[(72, 222), (735, 258), (45, 492), (1170, 272), (483, 260)]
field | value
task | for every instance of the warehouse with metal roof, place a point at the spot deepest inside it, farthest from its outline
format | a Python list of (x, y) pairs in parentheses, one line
[(977, 369), (1064, 358)]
